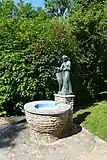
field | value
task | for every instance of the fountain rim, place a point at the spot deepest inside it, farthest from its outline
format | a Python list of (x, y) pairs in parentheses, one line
[(60, 109)]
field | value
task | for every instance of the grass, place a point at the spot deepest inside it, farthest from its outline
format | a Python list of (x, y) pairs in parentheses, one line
[(94, 119)]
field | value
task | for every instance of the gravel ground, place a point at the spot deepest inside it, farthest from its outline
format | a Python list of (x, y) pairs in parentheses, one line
[(15, 144)]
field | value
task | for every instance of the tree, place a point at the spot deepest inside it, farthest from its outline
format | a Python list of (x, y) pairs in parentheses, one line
[(87, 3), (89, 27), (7, 8), (25, 10), (57, 7)]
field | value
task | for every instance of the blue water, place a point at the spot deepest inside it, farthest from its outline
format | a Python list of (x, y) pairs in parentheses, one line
[(49, 105)]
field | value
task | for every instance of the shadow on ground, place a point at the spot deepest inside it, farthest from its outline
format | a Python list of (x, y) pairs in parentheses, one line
[(72, 130), (9, 131), (81, 118), (77, 108), (75, 128), (102, 96)]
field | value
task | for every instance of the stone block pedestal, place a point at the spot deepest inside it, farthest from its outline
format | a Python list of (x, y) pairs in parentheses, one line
[(66, 99)]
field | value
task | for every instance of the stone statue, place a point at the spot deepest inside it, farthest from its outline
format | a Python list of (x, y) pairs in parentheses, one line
[(63, 77)]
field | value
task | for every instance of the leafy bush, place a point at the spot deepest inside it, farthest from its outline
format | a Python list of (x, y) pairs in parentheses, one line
[(30, 50), (89, 28), (31, 47)]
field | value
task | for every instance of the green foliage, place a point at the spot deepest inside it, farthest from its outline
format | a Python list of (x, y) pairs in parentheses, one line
[(6, 8), (30, 49), (89, 27), (31, 46), (57, 7), (26, 10), (86, 3), (19, 75)]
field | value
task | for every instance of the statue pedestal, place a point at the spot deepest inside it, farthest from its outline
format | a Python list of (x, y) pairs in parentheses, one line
[(66, 99)]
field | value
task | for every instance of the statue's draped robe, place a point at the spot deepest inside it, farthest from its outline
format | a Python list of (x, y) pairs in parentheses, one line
[(65, 70), (60, 80)]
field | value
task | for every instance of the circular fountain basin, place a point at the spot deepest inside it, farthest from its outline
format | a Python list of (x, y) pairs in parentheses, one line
[(46, 119), (46, 107)]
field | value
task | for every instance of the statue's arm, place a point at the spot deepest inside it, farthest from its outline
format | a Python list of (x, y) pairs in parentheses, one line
[(62, 66), (67, 66)]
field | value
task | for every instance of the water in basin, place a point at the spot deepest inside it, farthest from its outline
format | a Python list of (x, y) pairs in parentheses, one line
[(46, 106)]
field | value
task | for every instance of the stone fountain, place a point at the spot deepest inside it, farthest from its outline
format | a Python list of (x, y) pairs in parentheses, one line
[(48, 119)]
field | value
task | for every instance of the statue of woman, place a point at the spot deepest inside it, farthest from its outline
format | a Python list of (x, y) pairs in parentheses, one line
[(63, 77)]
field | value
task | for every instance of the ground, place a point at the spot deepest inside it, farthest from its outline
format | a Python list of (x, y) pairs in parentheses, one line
[(15, 144)]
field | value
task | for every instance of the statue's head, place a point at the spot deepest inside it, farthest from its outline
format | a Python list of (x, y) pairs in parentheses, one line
[(65, 58)]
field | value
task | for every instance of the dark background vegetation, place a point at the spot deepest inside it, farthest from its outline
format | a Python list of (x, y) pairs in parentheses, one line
[(32, 42)]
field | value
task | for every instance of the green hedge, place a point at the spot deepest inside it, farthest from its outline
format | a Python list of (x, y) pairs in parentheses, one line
[(31, 48)]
